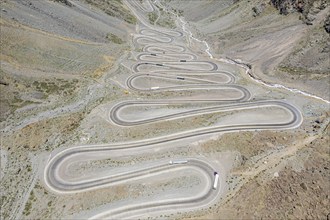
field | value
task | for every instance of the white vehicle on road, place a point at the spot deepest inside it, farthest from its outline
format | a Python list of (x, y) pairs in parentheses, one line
[(178, 161), (216, 180)]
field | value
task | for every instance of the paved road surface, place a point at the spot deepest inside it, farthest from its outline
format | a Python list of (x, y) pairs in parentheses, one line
[(168, 67)]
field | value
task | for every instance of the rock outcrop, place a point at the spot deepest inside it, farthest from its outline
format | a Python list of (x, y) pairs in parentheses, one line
[(327, 24), (308, 8)]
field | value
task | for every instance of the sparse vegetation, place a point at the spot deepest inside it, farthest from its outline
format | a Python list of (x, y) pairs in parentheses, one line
[(167, 23), (165, 19), (66, 2), (58, 87), (75, 84), (178, 12), (28, 205), (114, 8), (114, 38), (152, 17)]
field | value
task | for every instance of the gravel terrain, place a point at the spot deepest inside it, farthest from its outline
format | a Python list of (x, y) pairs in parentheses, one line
[(66, 64), (281, 48)]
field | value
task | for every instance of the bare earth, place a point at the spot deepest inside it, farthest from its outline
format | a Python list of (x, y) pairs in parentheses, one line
[(101, 99)]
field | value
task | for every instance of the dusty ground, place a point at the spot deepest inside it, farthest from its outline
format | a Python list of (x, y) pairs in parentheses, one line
[(45, 67), (281, 48), (58, 78)]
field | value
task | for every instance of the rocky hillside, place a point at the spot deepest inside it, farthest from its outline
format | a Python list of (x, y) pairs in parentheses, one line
[(288, 6), (308, 8), (61, 39), (285, 41), (54, 55), (114, 8)]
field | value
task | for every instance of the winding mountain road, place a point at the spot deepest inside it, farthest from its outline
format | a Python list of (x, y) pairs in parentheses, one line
[(162, 66)]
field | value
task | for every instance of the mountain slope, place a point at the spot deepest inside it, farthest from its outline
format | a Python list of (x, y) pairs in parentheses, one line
[(281, 48)]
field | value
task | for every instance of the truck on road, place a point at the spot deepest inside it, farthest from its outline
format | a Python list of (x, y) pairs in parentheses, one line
[(216, 180), (178, 161)]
